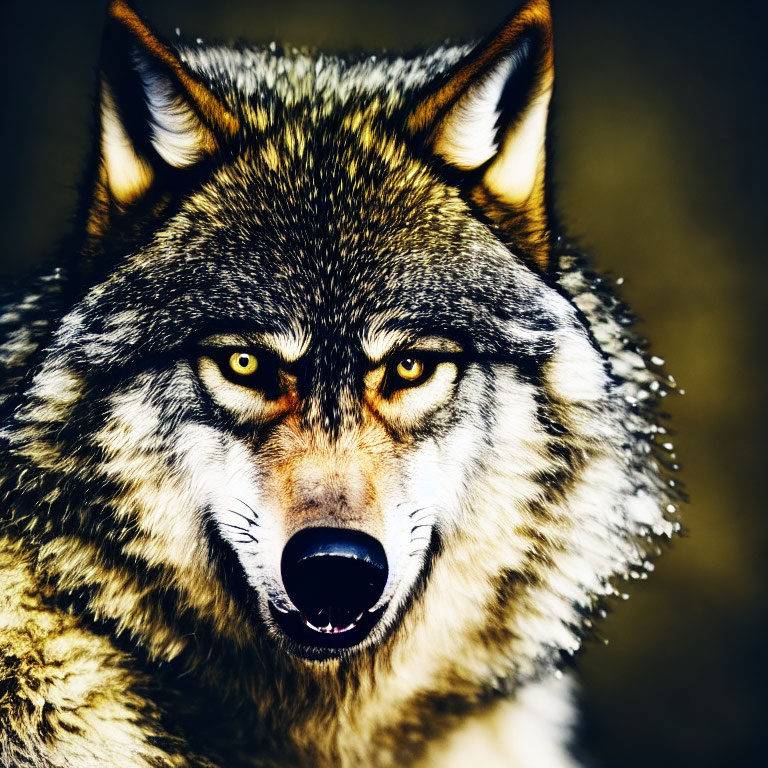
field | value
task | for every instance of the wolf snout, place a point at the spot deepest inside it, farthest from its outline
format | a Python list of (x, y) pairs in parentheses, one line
[(333, 576)]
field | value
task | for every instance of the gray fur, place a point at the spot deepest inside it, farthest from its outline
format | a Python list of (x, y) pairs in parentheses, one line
[(537, 486)]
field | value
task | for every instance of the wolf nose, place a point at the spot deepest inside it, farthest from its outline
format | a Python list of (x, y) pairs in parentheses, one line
[(333, 575)]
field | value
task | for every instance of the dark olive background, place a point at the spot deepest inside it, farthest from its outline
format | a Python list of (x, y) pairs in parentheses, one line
[(660, 166)]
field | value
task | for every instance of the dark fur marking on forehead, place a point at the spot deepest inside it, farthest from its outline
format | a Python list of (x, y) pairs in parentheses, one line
[(301, 242)]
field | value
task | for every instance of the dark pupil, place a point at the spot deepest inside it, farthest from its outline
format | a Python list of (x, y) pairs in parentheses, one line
[(243, 361), (408, 364)]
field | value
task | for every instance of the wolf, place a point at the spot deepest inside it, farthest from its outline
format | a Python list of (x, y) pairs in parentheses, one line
[(321, 446)]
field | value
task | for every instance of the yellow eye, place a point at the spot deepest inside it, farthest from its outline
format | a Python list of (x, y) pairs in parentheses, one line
[(410, 369), (243, 364)]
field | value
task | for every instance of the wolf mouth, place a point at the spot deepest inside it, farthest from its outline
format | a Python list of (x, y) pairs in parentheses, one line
[(334, 626), (335, 579), (319, 634)]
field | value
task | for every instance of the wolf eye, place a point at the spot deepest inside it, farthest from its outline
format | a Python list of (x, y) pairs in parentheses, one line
[(409, 372), (410, 369), (258, 370), (243, 363)]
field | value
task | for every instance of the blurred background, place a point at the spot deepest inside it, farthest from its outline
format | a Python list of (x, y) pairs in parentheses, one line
[(661, 168)]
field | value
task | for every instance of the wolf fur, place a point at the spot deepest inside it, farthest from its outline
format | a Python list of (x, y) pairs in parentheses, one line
[(331, 211)]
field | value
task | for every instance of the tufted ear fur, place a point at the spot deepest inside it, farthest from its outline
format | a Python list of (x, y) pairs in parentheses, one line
[(487, 118), (155, 115)]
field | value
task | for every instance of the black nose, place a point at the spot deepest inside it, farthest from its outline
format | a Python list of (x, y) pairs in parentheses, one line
[(333, 575)]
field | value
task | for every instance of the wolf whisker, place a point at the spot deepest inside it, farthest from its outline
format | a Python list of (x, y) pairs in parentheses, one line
[(251, 523), (235, 527), (421, 525), (248, 507)]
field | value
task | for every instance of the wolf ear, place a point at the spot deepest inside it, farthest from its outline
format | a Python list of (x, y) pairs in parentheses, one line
[(154, 113), (489, 115)]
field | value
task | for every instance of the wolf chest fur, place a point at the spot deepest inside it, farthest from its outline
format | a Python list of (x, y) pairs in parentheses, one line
[(321, 447)]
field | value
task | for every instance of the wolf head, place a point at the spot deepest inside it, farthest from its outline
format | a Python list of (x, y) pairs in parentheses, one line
[(328, 386)]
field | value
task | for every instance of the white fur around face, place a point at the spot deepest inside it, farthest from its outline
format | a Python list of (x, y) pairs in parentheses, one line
[(214, 474), (223, 475)]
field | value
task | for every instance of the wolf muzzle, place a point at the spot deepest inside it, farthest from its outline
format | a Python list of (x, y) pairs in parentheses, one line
[(334, 577)]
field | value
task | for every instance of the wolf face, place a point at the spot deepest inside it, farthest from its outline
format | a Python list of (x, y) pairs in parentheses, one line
[(325, 384)]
